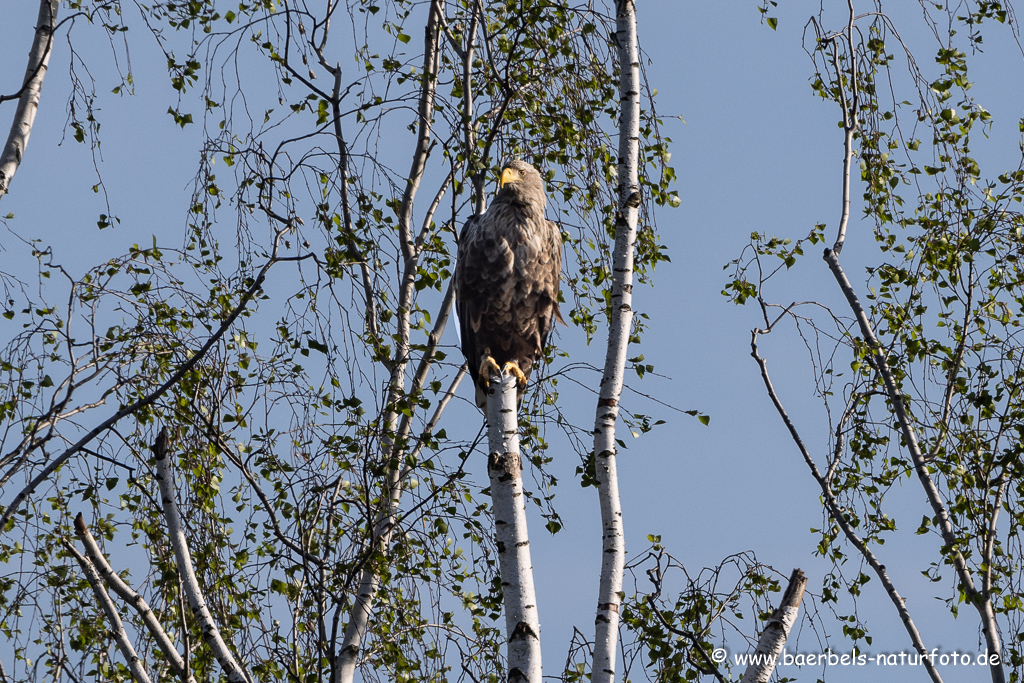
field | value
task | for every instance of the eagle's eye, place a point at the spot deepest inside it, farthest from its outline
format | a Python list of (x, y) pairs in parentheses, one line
[(522, 172)]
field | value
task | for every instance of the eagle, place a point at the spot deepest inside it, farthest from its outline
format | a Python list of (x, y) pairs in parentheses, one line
[(507, 274)]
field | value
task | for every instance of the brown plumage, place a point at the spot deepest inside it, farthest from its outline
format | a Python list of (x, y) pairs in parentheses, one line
[(506, 280)]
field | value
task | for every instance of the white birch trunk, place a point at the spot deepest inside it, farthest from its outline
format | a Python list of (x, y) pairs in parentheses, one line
[(196, 600), (32, 86), (504, 466), (776, 631), (614, 547), (369, 580)]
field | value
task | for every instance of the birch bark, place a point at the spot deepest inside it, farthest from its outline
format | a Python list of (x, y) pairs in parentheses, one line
[(504, 466), (369, 581), (613, 558), (776, 631), (113, 618), (32, 87), (196, 601), (117, 584)]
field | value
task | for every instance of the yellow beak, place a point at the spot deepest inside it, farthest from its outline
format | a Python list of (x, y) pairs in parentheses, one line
[(508, 176)]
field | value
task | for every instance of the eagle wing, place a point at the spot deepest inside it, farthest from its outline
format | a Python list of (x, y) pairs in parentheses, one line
[(483, 287), (548, 276)]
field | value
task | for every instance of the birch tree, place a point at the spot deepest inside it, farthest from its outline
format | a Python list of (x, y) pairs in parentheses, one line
[(918, 370), (241, 450), (620, 323), (250, 417)]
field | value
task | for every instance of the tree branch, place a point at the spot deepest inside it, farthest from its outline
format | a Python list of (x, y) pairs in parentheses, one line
[(117, 584), (982, 603), (147, 400), (114, 619), (28, 102), (211, 633), (424, 129), (850, 124), (836, 513)]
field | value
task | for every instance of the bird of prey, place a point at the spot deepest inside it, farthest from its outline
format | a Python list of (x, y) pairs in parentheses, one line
[(506, 280)]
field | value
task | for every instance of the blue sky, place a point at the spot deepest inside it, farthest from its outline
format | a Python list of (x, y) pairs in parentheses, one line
[(754, 151)]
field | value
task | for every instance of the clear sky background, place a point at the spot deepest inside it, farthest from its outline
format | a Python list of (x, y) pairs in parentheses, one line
[(754, 151)]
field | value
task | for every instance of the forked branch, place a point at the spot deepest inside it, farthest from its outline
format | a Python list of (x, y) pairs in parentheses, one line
[(137, 602), (113, 618)]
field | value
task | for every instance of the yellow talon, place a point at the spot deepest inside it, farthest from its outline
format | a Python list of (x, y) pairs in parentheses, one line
[(512, 368), (486, 366)]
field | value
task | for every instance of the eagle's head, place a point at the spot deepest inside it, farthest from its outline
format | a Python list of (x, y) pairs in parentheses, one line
[(521, 184)]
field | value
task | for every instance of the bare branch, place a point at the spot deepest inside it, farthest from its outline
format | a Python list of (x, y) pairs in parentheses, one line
[(851, 122), (424, 128), (982, 603)]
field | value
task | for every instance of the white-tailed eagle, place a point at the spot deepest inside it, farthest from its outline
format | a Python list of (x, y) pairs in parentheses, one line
[(506, 280)]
